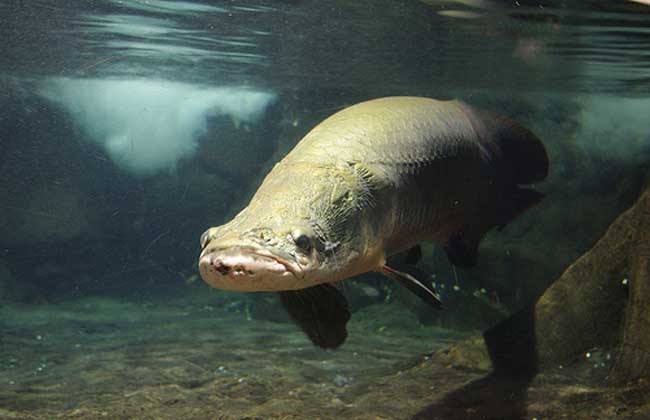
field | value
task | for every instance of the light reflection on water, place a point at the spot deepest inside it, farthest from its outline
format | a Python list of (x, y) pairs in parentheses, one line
[(538, 46)]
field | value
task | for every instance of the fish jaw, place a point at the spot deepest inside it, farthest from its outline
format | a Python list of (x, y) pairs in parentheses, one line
[(249, 269)]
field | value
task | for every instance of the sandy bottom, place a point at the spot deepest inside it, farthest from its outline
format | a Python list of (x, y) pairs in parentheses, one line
[(200, 356)]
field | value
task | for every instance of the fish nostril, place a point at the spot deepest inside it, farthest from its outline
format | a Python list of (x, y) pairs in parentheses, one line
[(220, 266)]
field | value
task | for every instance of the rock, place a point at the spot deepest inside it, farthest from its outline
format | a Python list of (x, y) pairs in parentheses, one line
[(470, 353), (601, 301)]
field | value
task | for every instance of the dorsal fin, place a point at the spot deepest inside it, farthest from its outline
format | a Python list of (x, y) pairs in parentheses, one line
[(523, 155)]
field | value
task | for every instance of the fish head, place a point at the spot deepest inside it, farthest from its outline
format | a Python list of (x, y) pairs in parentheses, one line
[(302, 228), (262, 258)]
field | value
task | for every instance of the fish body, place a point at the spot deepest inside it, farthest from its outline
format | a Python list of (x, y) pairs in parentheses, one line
[(371, 181)]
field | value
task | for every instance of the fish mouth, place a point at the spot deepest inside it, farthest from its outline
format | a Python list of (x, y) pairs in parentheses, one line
[(248, 269)]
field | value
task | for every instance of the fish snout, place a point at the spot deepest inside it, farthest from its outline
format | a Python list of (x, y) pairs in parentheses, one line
[(244, 269), (224, 267)]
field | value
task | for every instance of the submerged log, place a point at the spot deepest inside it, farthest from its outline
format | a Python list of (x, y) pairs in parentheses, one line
[(602, 300), (633, 360)]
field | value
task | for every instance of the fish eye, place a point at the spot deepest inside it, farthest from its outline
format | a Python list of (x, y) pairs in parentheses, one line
[(302, 241)]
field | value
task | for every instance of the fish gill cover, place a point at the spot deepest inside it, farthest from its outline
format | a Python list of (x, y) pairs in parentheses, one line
[(147, 126)]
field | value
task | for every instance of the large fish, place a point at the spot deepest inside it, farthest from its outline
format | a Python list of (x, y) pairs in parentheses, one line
[(369, 182)]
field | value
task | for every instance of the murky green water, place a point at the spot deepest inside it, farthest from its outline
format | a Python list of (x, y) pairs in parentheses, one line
[(130, 127)]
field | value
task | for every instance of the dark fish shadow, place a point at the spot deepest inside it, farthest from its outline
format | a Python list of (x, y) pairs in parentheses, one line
[(503, 393)]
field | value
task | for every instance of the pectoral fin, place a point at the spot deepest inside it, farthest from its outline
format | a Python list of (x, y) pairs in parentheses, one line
[(414, 285), (320, 311)]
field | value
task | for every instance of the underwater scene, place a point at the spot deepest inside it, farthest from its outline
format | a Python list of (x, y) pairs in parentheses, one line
[(369, 209)]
